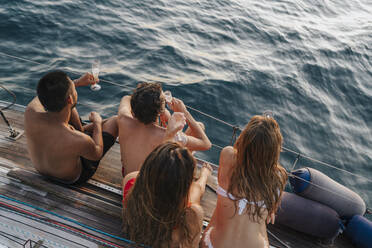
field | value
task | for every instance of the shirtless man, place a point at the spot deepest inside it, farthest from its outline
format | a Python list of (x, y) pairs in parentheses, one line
[(59, 146), (139, 131)]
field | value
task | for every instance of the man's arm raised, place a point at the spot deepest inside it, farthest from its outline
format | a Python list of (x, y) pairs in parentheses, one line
[(124, 108), (199, 140), (84, 80), (93, 147)]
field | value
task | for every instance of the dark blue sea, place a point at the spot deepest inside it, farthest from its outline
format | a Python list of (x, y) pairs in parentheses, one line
[(308, 61)]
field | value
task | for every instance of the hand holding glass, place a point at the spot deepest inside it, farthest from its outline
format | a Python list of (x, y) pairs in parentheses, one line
[(168, 96), (95, 72), (176, 122)]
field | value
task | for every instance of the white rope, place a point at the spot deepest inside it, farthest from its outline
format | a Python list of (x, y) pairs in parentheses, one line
[(295, 162), (217, 146), (15, 57), (328, 165), (278, 239), (210, 116)]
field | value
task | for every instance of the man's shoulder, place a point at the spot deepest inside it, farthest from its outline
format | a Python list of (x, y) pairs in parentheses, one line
[(127, 119), (30, 110), (77, 135), (35, 104), (74, 139), (34, 119), (129, 122), (34, 109), (149, 135), (156, 131)]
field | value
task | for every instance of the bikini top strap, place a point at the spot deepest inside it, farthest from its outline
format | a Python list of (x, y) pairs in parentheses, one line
[(242, 203), (222, 192)]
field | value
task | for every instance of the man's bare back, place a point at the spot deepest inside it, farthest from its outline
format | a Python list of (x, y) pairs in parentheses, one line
[(51, 154), (138, 140), (56, 143)]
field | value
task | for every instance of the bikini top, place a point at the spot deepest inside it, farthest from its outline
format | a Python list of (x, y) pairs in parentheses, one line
[(242, 203)]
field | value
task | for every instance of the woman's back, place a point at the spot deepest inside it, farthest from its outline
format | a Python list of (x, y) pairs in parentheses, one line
[(227, 227), (250, 184)]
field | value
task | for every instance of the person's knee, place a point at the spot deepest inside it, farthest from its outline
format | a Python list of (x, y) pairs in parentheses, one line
[(111, 126)]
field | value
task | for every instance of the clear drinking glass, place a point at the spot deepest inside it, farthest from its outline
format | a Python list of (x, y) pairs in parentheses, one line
[(168, 96), (95, 72), (268, 114)]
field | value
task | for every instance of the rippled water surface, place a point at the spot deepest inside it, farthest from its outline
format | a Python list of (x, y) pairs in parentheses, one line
[(308, 61)]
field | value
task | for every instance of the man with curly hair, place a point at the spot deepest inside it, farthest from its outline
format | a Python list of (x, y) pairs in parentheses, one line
[(139, 129)]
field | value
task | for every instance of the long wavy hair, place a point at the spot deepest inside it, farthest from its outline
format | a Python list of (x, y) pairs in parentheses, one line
[(257, 174), (157, 203)]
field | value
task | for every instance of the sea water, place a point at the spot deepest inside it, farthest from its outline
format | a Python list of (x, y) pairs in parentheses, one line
[(309, 62)]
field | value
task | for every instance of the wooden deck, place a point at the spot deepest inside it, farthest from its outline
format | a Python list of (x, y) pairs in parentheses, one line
[(92, 205)]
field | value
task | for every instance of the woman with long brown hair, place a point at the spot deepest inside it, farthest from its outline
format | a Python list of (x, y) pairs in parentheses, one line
[(251, 182), (161, 202)]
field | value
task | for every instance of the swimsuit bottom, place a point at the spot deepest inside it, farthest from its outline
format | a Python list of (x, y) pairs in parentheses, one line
[(88, 167), (127, 187)]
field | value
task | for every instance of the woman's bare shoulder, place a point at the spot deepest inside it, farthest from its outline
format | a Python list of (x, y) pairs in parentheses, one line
[(227, 152), (227, 158)]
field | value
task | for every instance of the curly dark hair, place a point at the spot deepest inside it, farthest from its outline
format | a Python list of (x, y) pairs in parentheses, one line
[(146, 102)]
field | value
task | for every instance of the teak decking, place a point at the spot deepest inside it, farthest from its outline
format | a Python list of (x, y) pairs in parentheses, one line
[(92, 205)]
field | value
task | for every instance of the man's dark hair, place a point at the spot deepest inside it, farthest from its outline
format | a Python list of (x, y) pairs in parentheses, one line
[(146, 102), (53, 90)]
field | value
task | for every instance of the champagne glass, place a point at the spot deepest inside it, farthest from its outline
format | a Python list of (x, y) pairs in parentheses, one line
[(268, 114), (168, 96), (95, 72)]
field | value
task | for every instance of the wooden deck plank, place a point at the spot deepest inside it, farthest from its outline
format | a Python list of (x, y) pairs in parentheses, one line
[(61, 206), (72, 211), (39, 182), (24, 162), (67, 208), (18, 226)]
